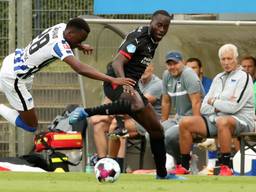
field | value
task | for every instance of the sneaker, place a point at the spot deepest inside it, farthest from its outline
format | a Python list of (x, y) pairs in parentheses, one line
[(206, 171), (179, 170), (94, 159), (118, 133), (171, 176), (225, 171), (209, 144)]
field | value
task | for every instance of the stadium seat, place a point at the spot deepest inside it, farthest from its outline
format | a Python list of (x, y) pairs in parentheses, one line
[(247, 141)]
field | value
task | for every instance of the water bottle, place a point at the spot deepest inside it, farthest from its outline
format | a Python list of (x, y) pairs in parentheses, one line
[(88, 167), (193, 164)]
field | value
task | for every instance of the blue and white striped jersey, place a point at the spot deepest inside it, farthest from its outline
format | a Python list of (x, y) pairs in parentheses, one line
[(42, 50)]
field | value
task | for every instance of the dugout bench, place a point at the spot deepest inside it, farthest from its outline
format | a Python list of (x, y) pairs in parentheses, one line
[(247, 141)]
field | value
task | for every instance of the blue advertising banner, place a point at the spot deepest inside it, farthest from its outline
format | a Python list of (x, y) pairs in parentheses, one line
[(173, 6)]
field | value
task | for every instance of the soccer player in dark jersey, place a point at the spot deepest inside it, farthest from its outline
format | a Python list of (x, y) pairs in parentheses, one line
[(134, 54)]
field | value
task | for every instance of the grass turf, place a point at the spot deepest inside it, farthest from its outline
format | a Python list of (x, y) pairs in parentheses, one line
[(81, 182)]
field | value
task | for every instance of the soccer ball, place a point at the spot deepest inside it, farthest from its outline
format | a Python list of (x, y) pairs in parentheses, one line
[(107, 170)]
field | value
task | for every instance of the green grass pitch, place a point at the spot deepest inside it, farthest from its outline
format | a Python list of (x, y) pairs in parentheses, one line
[(82, 182)]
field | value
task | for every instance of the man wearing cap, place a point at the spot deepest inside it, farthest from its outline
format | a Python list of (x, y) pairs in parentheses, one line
[(182, 91)]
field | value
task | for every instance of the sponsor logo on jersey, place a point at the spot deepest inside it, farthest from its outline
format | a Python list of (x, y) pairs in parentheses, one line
[(131, 48), (66, 46), (146, 61), (55, 32)]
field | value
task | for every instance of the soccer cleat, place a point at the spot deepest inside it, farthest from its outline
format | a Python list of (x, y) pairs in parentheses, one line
[(119, 133), (179, 170), (170, 176), (225, 171), (77, 115), (206, 171)]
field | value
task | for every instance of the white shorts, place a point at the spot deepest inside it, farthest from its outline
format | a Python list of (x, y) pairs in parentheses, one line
[(16, 90)]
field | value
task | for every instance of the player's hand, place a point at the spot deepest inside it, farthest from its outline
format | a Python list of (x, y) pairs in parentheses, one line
[(86, 48), (123, 81), (128, 89)]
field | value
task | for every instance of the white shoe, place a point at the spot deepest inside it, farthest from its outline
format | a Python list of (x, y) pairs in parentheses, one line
[(209, 144), (206, 171)]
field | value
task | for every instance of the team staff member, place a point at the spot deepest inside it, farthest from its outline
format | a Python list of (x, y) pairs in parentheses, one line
[(227, 110)]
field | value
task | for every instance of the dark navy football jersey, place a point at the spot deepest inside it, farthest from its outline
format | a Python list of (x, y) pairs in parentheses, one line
[(139, 48)]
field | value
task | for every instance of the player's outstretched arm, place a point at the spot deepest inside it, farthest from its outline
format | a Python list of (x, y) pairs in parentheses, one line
[(88, 71)]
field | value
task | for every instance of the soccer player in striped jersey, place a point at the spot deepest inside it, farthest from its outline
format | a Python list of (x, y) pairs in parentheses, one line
[(18, 68)]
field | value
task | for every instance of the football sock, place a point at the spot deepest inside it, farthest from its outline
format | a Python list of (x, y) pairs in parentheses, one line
[(117, 107), (159, 153), (212, 158), (120, 161), (185, 158), (120, 121), (225, 159), (14, 118)]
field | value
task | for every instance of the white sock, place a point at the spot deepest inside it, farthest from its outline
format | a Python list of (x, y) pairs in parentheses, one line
[(9, 114), (211, 163)]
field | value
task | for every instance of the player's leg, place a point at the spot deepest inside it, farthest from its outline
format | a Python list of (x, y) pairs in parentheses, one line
[(227, 127), (187, 127), (148, 119), (22, 114), (100, 126), (116, 146)]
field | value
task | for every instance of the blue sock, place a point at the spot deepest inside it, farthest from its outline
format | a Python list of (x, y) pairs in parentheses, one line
[(212, 154), (20, 123)]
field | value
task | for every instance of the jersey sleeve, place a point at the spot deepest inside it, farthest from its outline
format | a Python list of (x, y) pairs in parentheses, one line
[(129, 45), (165, 83), (192, 82), (155, 89), (62, 50)]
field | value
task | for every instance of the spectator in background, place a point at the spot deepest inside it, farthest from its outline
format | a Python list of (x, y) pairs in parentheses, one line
[(196, 65), (227, 110), (182, 91), (209, 144), (249, 65)]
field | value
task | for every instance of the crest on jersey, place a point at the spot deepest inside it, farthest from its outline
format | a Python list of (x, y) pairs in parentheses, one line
[(131, 48), (65, 45)]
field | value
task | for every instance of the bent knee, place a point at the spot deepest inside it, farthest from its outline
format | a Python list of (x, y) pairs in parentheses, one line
[(224, 121), (185, 122)]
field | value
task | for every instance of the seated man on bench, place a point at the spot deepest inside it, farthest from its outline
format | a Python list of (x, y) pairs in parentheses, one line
[(227, 110)]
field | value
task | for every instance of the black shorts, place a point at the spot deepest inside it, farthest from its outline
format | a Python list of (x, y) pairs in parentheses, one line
[(114, 92)]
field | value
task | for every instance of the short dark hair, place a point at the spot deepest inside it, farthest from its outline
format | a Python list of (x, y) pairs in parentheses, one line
[(162, 12), (249, 57), (79, 24), (193, 59)]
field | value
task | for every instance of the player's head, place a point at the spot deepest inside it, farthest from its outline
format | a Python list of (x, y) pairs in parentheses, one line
[(228, 54), (196, 65), (76, 31), (159, 24)]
